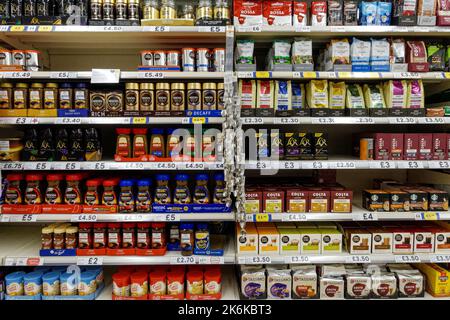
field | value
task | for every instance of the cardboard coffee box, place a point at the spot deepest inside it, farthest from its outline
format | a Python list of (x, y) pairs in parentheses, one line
[(331, 241), (341, 201), (418, 199), (376, 200), (306, 145), (423, 240), (440, 146), (289, 241), (253, 201), (296, 201), (381, 240), (396, 146), (273, 201), (292, 146), (359, 241), (403, 241), (319, 201), (398, 200), (382, 145), (411, 146), (269, 241), (320, 146), (247, 243), (425, 146), (310, 241)]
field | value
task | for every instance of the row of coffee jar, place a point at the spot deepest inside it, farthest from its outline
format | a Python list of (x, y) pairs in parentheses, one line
[(165, 96), (44, 96), (108, 10), (27, 59), (188, 59)]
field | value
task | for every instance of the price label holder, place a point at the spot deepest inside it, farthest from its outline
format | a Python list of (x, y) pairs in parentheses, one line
[(428, 216), (258, 260), (105, 76), (309, 75), (101, 166), (289, 165), (157, 29), (17, 75), (431, 120), (23, 261), (365, 216), (4, 218), (183, 260), (410, 164), (112, 28), (439, 164), (63, 75), (286, 120), (17, 29), (89, 261), (68, 120), (314, 165), (22, 218), (83, 218), (12, 166), (132, 217), (407, 258), (249, 29), (402, 120), (440, 258), (342, 165), (192, 166), (37, 166), (363, 120), (213, 29), (252, 120), (297, 259), (166, 165), (357, 259), (168, 217), (287, 217), (263, 74), (72, 166), (324, 120), (151, 75), (263, 217), (139, 120), (199, 120), (210, 260), (245, 74), (382, 164)]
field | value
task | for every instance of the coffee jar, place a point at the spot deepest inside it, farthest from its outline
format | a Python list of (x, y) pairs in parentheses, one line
[(162, 96), (132, 97), (177, 95), (146, 97)]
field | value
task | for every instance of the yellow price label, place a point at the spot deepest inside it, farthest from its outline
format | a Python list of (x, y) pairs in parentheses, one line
[(198, 120), (262, 217), (262, 74), (447, 75), (344, 75), (309, 74), (139, 120), (45, 28), (430, 216), (17, 28)]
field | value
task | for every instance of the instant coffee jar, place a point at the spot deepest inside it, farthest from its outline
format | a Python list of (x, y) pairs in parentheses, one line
[(146, 97), (132, 97), (162, 96)]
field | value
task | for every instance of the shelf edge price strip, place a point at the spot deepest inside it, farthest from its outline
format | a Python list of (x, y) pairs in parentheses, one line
[(407, 258), (83, 218), (297, 259), (183, 260), (90, 261), (357, 259), (440, 258), (258, 260)]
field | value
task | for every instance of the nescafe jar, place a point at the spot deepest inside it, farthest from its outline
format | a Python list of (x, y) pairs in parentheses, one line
[(33, 193)]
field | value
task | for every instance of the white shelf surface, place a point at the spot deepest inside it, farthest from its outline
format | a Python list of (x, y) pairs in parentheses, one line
[(343, 120), (20, 246), (345, 163), (108, 165), (118, 217), (358, 214), (109, 120)]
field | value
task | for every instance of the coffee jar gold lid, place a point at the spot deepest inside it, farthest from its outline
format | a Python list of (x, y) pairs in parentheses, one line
[(109, 1), (37, 85), (221, 86), (21, 85), (6, 85), (194, 85), (177, 86), (132, 86), (209, 85), (163, 86), (147, 86), (51, 85)]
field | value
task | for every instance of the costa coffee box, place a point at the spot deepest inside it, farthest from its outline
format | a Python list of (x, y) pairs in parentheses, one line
[(248, 13), (319, 13), (296, 201), (440, 146), (396, 146), (300, 13), (403, 241), (423, 241), (253, 201), (319, 201), (411, 146), (341, 201), (277, 13), (425, 146), (382, 146), (273, 201)]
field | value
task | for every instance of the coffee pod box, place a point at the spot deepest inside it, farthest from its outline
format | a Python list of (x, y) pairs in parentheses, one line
[(381, 240), (247, 243), (331, 241), (269, 241), (289, 241), (311, 241)]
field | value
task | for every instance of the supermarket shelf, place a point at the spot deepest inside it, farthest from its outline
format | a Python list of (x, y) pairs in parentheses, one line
[(327, 31), (431, 76), (358, 214), (120, 217), (343, 258), (343, 120), (107, 120), (109, 165), (343, 163), (20, 246), (124, 75)]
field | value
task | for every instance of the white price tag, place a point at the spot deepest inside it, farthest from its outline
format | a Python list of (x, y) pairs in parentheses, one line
[(213, 29), (105, 76), (89, 261), (252, 120), (440, 258), (296, 75), (294, 217), (192, 166), (410, 164), (72, 166), (134, 165), (41, 166), (210, 260), (258, 260), (63, 75), (343, 165), (289, 165), (12, 166), (432, 120), (23, 261), (263, 165), (402, 120), (169, 217), (439, 164), (323, 120), (101, 166), (297, 259), (183, 260), (302, 28), (357, 259), (382, 164), (9, 262), (131, 217), (365, 216), (151, 75), (314, 165), (245, 75), (249, 28), (83, 218), (112, 28), (407, 258), (68, 120), (365, 120), (21, 120), (286, 121), (17, 75), (166, 165), (23, 218), (4, 218)]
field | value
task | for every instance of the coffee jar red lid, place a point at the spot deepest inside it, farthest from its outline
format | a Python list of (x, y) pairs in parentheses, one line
[(212, 275), (14, 177), (157, 275), (85, 225), (140, 130), (175, 276), (74, 177), (110, 183), (55, 177), (128, 225), (121, 279), (114, 225), (34, 177), (123, 130), (93, 182), (99, 225), (195, 276), (144, 225)]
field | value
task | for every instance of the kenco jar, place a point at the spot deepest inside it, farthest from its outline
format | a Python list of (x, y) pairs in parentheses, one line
[(20, 95), (73, 192), (99, 235), (85, 236), (114, 236), (50, 96), (36, 96)]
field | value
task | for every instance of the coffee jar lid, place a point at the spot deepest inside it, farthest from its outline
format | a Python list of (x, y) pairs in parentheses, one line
[(132, 86), (147, 86)]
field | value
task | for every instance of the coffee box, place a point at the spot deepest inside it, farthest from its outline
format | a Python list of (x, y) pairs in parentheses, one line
[(358, 286), (319, 201), (437, 200), (292, 146), (411, 146), (438, 279), (331, 241), (425, 146), (320, 143), (247, 243), (273, 201), (306, 145), (382, 145), (279, 284), (269, 241), (300, 13), (403, 241), (331, 288), (304, 282), (296, 201), (359, 241), (366, 150), (440, 146), (384, 286), (253, 283), (442, 240), (423, 241), (381, 240), (276, 145), (289, 241), (376, 200), (253, 201), (411, 284), (277, 13), (396, 146), (341, 201), (310, 241), (248, 13), (398, 201), (418, 199), (319, 13)]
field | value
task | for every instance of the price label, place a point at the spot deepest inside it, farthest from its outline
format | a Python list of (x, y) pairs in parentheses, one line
[(89, 261), (357, 259), (22, 218), (294, 217), (248, 120), (84, 218), (42, 166), (105, 76), (364, 120), (263, 165), (343, 165), (309, 75), (63, 75), (262, 217), (245, 75), (402, 120), (431, 216), (249, 29), (132, 217), (166, 165), (407, 258), (316, 165), (21, 120), (4, 218), (68, 120), (263, 74), (134, 165), (211, 29), (17, 75), (210, 260), (100, 166), (12, 166), (296, 75), (17, 28), (365, 216), (302, 28), (193, 165), (432, 120), (171, 217), (23, 261), (72, 166), (4, 28), (410, 164), (382, 165), (198, 120), (258, 260), (440, 258), (408, 75), (182, 260), (139, 120), (287, 121), (289, 165), (297, 259), (45, 28), (112, 28), (439, 164), (323, 120), (152, 75)]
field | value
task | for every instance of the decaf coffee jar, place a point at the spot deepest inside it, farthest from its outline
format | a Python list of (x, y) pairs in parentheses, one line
[(108, 10), (146, 97), (65, 96), (96, 10), (209, 100), (194, 96), (133, 10), (132, 97), (50, 96), (177, 94), (220, 96), (36, 96), (20, 95), (162, 96)]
